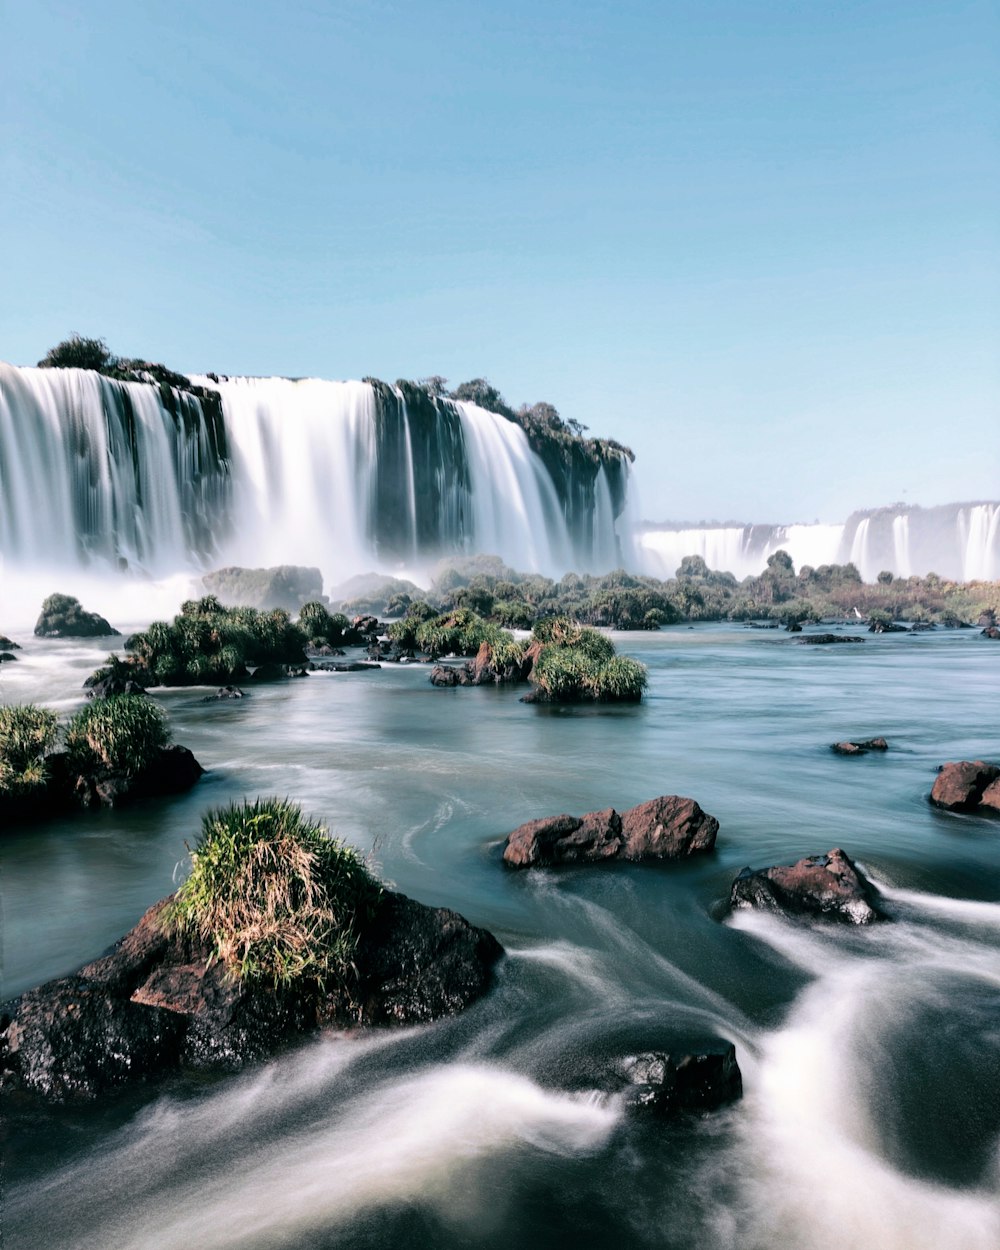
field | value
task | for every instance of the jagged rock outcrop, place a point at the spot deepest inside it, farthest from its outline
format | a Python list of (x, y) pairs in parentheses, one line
[(828, 887)]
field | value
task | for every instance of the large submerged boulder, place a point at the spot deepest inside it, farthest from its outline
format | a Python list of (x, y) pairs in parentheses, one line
[(62, 616), (669, 827), (829, 887), (159, 1002), (967, 785)]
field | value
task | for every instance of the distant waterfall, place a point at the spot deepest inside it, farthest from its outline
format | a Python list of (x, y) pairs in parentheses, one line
[(344, 475), (960, 542)]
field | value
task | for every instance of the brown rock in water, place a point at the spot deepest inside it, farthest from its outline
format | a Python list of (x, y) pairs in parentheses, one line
[(860, 748), (959, 787), (827, 886), (669, 827)]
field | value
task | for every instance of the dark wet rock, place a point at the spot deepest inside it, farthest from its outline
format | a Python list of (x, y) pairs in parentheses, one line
[(9, 644), (991, 631), (173, 771), (322, 650), (157, 1001), (886, 627), (367, 626), (389, 650), (72, 1038), (860, 748), (665, 1085), (922, 627), (960, 787), (116, 680), (670, 827), (987, 618), (793, 627), (223, 693), (418, 963), (449, 675), (822, 640), (6, 657), (272, 671), (950, 621), (828, 886), (63, 617)]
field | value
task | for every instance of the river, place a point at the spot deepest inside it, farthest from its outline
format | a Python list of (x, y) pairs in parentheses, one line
[(871, 1058)]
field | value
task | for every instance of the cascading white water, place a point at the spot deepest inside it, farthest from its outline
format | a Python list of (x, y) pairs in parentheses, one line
[(347, 476), (980, 527), (93, 470), (741, 550), (959, 542), (514, 504), (303, 460)]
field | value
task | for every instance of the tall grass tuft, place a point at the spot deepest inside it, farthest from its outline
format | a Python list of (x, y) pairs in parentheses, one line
[(275, 898), (27, 734), (121, 734)]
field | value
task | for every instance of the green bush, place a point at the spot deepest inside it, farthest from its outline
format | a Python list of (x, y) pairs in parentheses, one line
[(275, 898), (453, 633), (119, 735), (513, 613), (209, 644), (560, 631), (319, 625), (77, 352), (27, 734)]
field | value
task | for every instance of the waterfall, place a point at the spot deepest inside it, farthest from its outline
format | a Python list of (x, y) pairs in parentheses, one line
[(980, 529), (960, 542), (101, 474)]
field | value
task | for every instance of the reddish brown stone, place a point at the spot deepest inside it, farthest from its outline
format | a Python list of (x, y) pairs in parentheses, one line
[(959, 787), (665, 828)]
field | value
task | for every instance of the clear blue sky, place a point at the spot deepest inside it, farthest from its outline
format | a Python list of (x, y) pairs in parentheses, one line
[(759, 240)]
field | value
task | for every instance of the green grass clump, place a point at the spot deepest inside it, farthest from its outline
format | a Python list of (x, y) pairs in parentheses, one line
[(122, 734), (275, 898), (564, 674), (27, 734), (620, 680)]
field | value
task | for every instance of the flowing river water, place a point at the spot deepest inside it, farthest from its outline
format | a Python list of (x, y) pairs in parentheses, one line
[(871, 1058)]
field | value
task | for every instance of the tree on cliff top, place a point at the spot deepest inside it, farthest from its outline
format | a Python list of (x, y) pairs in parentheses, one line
[(77, 352)]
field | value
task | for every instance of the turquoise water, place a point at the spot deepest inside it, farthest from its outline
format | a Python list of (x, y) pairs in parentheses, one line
[(871, 1060)]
